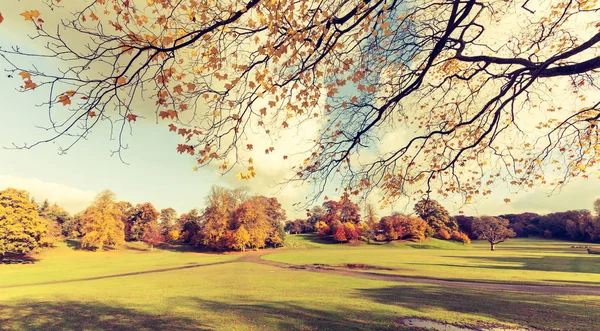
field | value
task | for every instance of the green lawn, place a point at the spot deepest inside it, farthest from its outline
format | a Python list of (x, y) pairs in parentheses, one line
[(518, 260), (243, 295), (64, 263)]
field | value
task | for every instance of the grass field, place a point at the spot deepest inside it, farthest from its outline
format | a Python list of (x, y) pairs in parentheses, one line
[(518, 260), (243, 295)]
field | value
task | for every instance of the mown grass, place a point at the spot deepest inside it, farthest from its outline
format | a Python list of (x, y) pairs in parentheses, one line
[(64, 263), (518, 260), (242, 295)]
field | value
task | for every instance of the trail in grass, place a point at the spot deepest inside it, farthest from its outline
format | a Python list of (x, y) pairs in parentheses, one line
[(255, 257), (127, 274)]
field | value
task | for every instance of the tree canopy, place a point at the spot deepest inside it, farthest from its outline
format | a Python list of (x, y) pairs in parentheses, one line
[(21, 229), (101, 222), (465, 101)]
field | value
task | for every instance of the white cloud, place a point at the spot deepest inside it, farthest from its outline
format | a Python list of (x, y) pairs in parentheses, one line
[(70, 198)]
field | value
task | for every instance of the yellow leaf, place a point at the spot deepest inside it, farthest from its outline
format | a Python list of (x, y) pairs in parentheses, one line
[(30, 15)]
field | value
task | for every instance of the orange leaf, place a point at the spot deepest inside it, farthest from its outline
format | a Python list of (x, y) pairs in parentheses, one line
[(64, 99), (249, 147), (1, 18), (25, 75), (285, 157), (191, 87), (29, 85), (91, 113), (131, 117), (93, 17), (285, 124), (178, 89), (70, 93), (172, 127), (507, 200), (30, 15)]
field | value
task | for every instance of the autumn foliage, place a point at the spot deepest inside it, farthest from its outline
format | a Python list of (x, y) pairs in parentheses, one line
[(22, 230), (480, 109)]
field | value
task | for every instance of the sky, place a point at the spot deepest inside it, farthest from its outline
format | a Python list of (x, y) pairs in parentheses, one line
[(154, 172)]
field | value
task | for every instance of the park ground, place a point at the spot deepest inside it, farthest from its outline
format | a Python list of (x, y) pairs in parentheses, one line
[(308, 285)]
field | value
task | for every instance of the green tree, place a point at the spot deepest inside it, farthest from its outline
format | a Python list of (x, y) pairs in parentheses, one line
[(435, 215), (21, 229), (143, 215), (101, 222), (493, 229), (168, 220)]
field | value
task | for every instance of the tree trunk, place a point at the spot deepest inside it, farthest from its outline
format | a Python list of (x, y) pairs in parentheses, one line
[(151, 247), (492, 246)]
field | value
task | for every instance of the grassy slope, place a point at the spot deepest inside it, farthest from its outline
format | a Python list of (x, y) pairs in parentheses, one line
[(63, 263), (518, 260)]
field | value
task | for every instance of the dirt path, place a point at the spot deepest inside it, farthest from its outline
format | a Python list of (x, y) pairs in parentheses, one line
[(255, 257)]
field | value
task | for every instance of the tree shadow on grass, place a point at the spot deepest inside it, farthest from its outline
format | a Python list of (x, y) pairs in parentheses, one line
[(583, 264), (289, 316), (541, 311), (74, 315), (75, 244)]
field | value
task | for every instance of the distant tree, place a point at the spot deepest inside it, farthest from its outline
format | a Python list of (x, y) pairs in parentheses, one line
[(168, 220), (597, 207), (21, 229), (191, 224), (465, 224), (341, 212), (172, 236), (143, 216), (435, 215), (315, 215), (294, 227), (493, 229), (58, 215), (220, 206), (275, 215), (72, 227), (153, 235), (101, 222), (127, 210), (241, 238), (43, 206)]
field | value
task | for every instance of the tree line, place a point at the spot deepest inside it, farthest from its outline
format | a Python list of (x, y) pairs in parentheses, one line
[(340, 221), (231, 220), (576, 225)]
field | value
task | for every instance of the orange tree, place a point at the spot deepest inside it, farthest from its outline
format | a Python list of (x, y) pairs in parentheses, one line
[(479, 101)]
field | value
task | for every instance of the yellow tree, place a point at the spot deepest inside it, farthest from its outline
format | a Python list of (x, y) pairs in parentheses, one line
[(101, 222), (21, 228), (461, 101)]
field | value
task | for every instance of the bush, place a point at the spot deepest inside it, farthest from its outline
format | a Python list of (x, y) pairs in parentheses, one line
[(460, 237), (442, 234), (339, 234)]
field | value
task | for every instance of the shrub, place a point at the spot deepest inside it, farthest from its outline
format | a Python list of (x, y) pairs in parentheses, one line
[(443, 234), (322, 229), (460, 237), (339, 234), (351, 231)]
